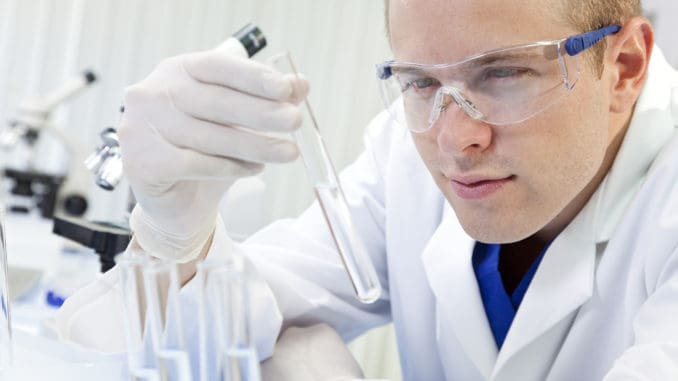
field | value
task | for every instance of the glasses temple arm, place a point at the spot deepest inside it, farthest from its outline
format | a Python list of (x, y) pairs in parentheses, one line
[(577, 44)]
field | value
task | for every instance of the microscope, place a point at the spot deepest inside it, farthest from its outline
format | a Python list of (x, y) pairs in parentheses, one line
[(63, 198), (50, 193)]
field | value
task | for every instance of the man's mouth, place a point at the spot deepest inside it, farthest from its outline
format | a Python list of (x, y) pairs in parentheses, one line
[(474, 187)]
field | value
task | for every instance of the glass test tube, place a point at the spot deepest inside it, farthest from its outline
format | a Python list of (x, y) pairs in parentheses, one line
[(163, 320), (5, 320), (152, 320), (227, 352), (323, 176), (140, 359)]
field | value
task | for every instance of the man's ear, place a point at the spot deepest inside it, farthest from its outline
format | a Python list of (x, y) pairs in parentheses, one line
[(627, 59)]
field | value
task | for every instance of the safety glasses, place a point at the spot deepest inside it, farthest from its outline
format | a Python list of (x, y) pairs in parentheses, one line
[(499, 87)]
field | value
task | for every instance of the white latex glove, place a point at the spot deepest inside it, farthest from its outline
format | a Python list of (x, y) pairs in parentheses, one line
[(194, 126), (311, 354)]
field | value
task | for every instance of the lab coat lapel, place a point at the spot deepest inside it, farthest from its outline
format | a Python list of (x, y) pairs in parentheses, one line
[(562, 283), (459, 307), (652, 126)]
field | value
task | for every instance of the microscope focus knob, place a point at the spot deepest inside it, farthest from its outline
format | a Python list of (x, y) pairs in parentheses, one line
[(75, 205), (105, 162)]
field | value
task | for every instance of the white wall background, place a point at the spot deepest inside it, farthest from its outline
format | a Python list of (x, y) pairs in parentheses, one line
[(664, 15), (334, 42)]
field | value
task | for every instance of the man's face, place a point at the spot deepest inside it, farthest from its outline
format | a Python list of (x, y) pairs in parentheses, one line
[(505, 183)]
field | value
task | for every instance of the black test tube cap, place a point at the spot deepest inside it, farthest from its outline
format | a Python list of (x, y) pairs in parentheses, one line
[(90, 77), (251, 38)]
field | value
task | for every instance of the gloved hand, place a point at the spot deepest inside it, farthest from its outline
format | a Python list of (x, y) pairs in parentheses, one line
[(310, 354), (194, 126)]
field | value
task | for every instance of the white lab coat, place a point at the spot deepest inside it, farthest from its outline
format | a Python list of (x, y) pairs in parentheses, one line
[(604, 300)]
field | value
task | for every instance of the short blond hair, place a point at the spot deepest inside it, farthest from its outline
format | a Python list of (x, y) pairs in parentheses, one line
[(587, 15)]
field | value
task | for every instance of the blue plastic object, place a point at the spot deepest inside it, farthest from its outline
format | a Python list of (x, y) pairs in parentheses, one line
[(577, 44), (384, 70), (53, 299)]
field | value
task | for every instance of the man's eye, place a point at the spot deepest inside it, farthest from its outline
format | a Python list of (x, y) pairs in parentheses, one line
[(505, 72), (423, 83)]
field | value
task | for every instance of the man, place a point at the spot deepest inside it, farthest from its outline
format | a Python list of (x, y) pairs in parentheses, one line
[(518, 198)]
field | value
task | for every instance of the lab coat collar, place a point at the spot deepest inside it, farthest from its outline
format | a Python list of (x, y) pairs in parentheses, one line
[(651, 127), (460, 313), (562, 283)]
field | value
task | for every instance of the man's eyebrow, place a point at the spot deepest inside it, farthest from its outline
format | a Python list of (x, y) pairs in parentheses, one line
[(408, 70), (508, 57), (478, 61), (416, 71)]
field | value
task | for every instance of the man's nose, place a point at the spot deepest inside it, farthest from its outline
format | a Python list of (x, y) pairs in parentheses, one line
[(459, 134)]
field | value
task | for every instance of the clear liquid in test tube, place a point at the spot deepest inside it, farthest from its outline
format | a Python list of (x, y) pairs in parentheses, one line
[(142, 365), (152, 319), (330, 196), (227, 349), (163, 320)]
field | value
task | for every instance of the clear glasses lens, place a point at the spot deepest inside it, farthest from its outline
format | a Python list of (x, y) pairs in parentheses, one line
[(500, 87)]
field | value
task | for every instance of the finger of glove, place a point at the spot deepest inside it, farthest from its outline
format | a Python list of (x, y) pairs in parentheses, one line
[(222, 68), (192, 165), (232, 142), (300, 88), (227, 106), (150, 159)]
